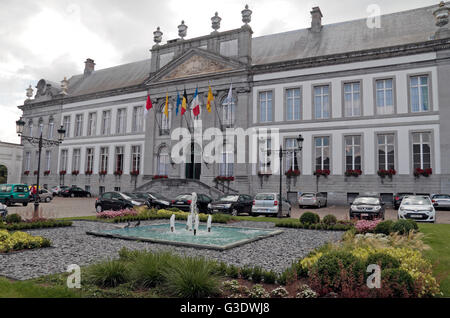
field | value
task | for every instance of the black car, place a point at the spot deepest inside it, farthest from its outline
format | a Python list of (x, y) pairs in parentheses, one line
[(183, 202), (116, 201), (157, 201), (75, 192), (398, 197), (367, 207), (232, 204)]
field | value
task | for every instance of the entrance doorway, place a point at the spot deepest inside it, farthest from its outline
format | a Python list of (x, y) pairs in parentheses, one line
[(194, 162), (3, 174)]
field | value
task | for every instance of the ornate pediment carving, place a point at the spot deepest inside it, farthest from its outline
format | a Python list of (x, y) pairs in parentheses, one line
[(196, 65)]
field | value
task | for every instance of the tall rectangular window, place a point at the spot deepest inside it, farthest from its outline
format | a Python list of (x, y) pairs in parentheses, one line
[(265, 106), (104, 153), (227, 164), (352, 99), (92, 124), (137, 122), (135, 158), (64, 159), (51, 128), (27, 161), (48, 160), (90, 159), (291, 154), (121, 121), (419, 93), (119, 156), (66, 125), (421, 150), (36, 159), (106, 122), (265, 148), (386, 152), (322, 101), (322, 153), (78, 125), (353, 152), (293, 104), (384, 96), (30, 128), (76, 160)]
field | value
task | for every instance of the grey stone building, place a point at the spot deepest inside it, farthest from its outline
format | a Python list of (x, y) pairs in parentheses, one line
[(370, 99)]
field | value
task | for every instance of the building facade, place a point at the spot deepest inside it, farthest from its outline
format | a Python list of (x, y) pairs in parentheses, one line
[(371, 102)]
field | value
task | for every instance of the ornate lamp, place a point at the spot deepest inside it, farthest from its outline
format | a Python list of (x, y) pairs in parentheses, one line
[(20, 124), (182, 30), (300, 142), (61, 133), (157, 36), (29, 92), (246, 15)]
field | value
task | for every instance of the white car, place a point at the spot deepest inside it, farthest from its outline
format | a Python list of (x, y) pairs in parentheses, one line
[(418, 208), (268, 204)]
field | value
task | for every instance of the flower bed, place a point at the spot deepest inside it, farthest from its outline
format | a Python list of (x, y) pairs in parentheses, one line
[(156, 177), (20, 241), (423, 172), (353, 173), (14, 222), (116, 214), (383, 173), (365, 226), (320, 172), (223, 178)]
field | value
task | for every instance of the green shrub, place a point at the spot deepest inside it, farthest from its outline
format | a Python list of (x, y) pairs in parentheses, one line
[(329, 219), (402, 227), (13, 218), (257, 274), (384, 260), (287, 276), (172, 209), (246, 272), (398, 281), (233, 271), (330, 265), (219, 268), (384, 227), (414, 225), (191, 278), (109, 273), (309, 218), (269, 277), (146, 269)]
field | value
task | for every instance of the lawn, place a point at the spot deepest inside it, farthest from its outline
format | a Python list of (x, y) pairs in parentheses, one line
[(437, 236), (16, 289)]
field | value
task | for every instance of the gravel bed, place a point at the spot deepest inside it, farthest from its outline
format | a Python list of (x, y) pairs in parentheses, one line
[(72, 245)]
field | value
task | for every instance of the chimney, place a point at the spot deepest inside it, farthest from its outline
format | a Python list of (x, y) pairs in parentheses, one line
[(316, 22), (89, 67)]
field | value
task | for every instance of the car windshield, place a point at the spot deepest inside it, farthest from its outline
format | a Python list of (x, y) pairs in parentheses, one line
[(441, 196), (367, 200), (159, 196), (265, 196), (20, 188), (140, 195), (230, 198), (127, 196), (416, 201), (308, 195), (184, 197)]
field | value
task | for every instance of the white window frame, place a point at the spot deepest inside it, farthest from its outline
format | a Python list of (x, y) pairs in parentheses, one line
[(384, 109), (291, 103), (104, 156), (265, 100), (78, 125), (353, 147), (121, 122), (422, 154), (322, 147), (92, 124), (355, 104), (419, 87), (386, 165)]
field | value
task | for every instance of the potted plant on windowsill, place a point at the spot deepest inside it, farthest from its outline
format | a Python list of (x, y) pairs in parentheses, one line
[(118, 172), (423, 172), (134, 173), (223, 178), (155, 177), (322, 172), (26, 173), (103, 173), (291, 173), (46, 172), (62, 172), (88, 172), (353, 173), (383, 173), (75, 173), (35, 172)]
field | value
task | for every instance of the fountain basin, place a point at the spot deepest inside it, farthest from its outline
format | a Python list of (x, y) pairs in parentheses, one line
[(220, 237)]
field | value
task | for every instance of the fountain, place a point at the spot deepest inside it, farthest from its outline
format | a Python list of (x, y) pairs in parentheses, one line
[(222, 238)]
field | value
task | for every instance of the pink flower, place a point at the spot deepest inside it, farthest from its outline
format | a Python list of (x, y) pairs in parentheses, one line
[(365, 226), (115, 214)]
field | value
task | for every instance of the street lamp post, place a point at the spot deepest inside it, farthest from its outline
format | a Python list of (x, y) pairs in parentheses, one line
[(40, 142), (300, 147)]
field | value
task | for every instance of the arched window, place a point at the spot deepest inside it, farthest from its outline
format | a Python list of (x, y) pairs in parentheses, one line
[(163, 161), (228, 112), (166, 122)]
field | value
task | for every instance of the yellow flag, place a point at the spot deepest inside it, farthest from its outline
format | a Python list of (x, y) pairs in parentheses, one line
[(166, 108), (210, 99)]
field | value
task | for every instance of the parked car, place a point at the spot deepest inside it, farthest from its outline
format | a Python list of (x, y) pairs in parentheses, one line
[(268, 204), (370, 207), (157, 201), (115, 201), (56, 190), (136, 197), (44, 196), (3, 211), (75, 192), (398, 197), (183, 202), (418, 208), (316, 199), (232, 204), (440, 201), (14, 193)]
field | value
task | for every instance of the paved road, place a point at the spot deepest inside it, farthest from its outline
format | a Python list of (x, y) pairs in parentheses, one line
[(73, 207)]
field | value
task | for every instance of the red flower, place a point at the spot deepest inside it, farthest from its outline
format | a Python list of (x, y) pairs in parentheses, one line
[(118, 172), (134, 172), (62, 172), (320, 172), (75, 172), (155, 177), (46, 172), (103, 172), (292, 173), (354, 173), (88, 172), (26, 173)]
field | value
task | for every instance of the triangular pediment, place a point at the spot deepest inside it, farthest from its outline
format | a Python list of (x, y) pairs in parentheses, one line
[(196, 62)]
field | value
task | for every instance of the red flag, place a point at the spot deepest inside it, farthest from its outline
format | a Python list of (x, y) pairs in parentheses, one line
[(149, 104)]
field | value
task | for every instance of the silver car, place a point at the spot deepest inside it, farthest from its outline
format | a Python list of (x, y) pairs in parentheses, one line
[(268, 204), (316, 199), (441, 201), (44, 196), (418, 208)]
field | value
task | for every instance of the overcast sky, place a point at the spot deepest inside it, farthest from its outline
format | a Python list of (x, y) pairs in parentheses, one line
[(52, 38)]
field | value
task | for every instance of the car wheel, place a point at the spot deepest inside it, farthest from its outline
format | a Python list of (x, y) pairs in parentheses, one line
[(72, 195), (300, 206), (99, 208), (234, 212), (289, 213), (88, 195), (7, 203), (319, 205), (48, 199), (25, 203)]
